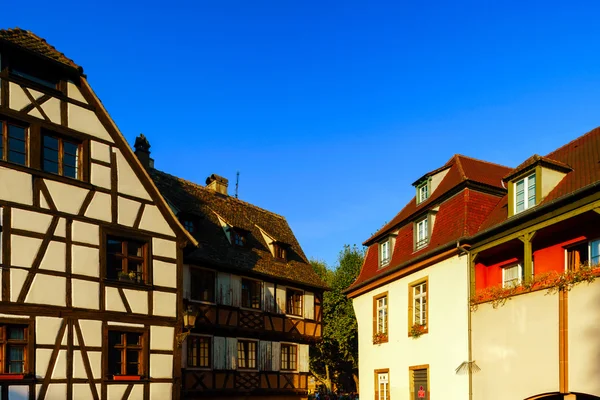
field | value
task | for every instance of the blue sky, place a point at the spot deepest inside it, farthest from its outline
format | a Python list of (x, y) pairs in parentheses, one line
[(331, 109)]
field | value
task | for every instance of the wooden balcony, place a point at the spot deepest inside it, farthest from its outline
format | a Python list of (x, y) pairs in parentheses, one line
[(229, 320), (201, 384)]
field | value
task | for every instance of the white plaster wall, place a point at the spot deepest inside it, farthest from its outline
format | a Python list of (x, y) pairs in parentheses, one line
[(56, 391), (100, 207), (137, 393), (18, 392), (95, 358), (113, 300), (92, 332), (444, 348), (128, 210), (86, 294), (52, 109), (67, 198), (60, 367), (100, 151), (85, 260), (55, 257), (83, 120), (61, 228), (116, 391), (161, 391), (17, 278), (86, 233), (82, 391), (164, 304), (78, 366), (138, 300), (17, 97), (74, 92), (23, 250), (42, 359), (48, 290), (516, 347), (152, 220), (15, 186), (46, 329), (100, 176), (164, 248), (164, 274), (161, 337), (584, 338), (36, 113), (30, 220), (161, 366), (128, 182)]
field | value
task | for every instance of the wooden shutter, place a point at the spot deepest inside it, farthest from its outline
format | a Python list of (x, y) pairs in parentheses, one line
[(280, 299), (265, 355), (420, 384), (236, 290), (224, 288), (231, 358), (187, 282), (303, 358), (276, 356), (219, 353), (309, 305), (269, 297)]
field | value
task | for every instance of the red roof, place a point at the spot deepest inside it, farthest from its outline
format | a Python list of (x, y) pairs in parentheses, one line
[(459, 216), (582, 155), (462, 169)]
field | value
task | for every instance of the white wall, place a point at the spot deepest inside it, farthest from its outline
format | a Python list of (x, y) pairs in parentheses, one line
[(516, 347), (445, 346)]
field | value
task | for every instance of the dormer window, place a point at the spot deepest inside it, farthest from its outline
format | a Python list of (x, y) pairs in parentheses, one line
[(423, 191), (279, 251), (238, 236), (384, 253), (421, 233), (525, 193), (189, 226)]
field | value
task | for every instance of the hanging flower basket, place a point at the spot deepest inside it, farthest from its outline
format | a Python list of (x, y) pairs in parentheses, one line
[(380, 337)]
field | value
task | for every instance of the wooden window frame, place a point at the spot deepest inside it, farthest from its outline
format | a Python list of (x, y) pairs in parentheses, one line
[(289, 367), (385, 337), (385, 261), (206, 339), (125, 257), (246, 351), (188, 224), (26, 343), (427, 185), (61, 153), (411, 319), (253, 284), (5, 122), (411, 380), (377, 373), (526, 193), (280, 251), (238, 237), (290, 310), (521, 269), (213, 300), (421, 244), (144, 355)]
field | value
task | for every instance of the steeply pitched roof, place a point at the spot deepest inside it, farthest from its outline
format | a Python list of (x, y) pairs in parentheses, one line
[(582, 155), (534, 160), (214, 248), (462, 169), (35, 44)]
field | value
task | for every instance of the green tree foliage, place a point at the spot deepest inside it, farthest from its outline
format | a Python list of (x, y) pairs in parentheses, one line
[(335, 359)]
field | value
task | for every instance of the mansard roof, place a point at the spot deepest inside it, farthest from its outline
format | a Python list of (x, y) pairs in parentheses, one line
[(581, 156), (462, 169), (33, 43), (209, 207)]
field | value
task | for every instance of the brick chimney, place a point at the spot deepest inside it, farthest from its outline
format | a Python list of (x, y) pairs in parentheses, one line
[(217, 183), (142, 151)]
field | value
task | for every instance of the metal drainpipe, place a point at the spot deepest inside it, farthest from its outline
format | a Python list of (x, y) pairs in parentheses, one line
[(469, 344)]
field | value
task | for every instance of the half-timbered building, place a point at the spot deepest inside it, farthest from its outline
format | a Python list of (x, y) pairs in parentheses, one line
[(257, 299), (90, 255)]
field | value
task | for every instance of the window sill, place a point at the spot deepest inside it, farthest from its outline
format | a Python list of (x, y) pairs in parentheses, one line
[(294, 316), (126, 377), (12, 377), (128, 285), (47, 175), (257, 310), (208, 303)]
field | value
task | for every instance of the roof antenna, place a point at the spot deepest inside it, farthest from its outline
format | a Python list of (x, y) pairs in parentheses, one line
[(237, 184)]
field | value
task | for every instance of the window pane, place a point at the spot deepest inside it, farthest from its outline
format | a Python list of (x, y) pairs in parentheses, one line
[(70, 149), (114, 246), (70, 172), (16, 332), (50, 143), (35, 79), (133, 362), (595, 252), (16, 357), (50, 166)]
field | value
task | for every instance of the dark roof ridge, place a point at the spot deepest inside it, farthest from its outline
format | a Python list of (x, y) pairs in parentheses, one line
[(595, 130), (198, 186)]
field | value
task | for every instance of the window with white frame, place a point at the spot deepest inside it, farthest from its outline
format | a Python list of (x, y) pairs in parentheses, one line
[(422, 192), (512, 275), (583, 254), (422, 234), (419, 295), (384, 253), (382, 392), (382, 315), (525, 193)]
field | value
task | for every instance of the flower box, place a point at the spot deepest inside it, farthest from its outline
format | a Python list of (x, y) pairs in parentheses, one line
[(126, 377), (380, 338), (10, 377)]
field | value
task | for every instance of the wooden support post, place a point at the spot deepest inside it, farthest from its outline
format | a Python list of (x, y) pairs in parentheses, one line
[(527, 255), (472, 257)]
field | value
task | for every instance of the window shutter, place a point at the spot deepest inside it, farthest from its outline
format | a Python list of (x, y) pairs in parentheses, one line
[(303, 358), (280, 297), (236, 290), (309, 305), (276, 356), (219, 353), (231, 351), (265, 355), (187, 282), (420, 384), (223, 289), (269, 297)]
